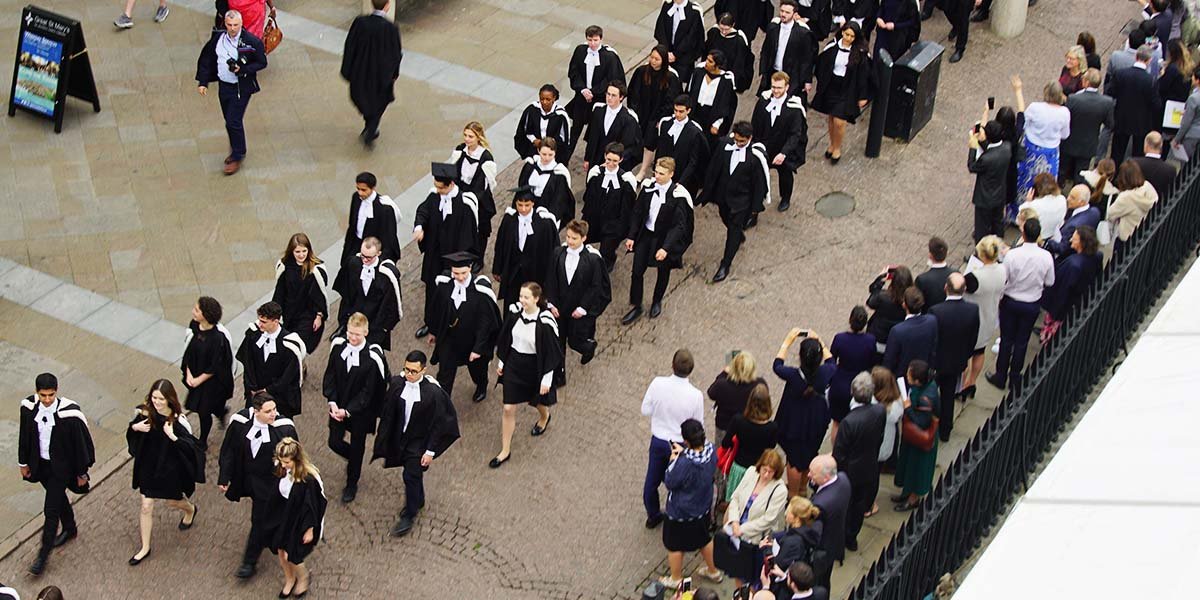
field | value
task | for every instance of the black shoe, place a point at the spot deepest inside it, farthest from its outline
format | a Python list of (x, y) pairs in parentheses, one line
[(655, 310), (784, 205), (751, 222), (905, 506), (833, 160), (967, 393), (422, 332), (652, 522), (349, 494), (246, 571), (587, 356), (283, 594), (953, 34), (536, 431), (496, 462), (828, 154), (65, 537), (721, 274), (925, 16), (898, 498), (186, 526), (480, 394), (39, 565), (979, 16), (957, 56), (135, 561), (995, 379), (402, 527), (634, 314), (852, 545)]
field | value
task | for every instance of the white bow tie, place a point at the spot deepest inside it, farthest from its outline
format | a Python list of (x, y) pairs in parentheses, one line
[(446, 206), (267, 343), (592, 58), (525, 223), (459, 294), (350, 355), (678, 10), (611, 181), (738, 155)]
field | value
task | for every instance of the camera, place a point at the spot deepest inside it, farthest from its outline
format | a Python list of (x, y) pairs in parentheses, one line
[(232, 63)]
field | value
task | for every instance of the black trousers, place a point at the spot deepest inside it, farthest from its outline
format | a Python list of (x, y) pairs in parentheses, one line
[(608, 251), (581, 112), (947, 384), (1122, 141), (371, 122), (1016, 325), (1069, 167), (643, 255), (256, 541), (414, 485), (352, 451), (735, 232), (56, 508), (579, 334), (988, 221), (430, 297), (862, 496), (448, 371), (787, 179), (958, 12), (233, 108)]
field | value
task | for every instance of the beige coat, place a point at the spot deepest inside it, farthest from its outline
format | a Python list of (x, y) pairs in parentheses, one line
[(1130, 207), (766, 514)]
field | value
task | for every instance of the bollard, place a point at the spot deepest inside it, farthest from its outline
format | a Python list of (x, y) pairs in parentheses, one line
[(1008, 17), (879, 106), (391, 9)]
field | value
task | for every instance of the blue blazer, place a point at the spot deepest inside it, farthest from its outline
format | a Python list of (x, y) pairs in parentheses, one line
[(1072, 278), (911, 339), (1062, 249)]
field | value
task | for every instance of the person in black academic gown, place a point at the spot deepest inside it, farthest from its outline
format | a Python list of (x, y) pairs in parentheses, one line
[(417, 425), (680, 27), (749, 16), (247, 466), (447, 222), (652, 87), (355, 380), (738, 184), (542, 119), (371, 63), (860, 12), (168, 460), (798, 54), (607, 200), (296, 521), (712, 88), (207, 365), (550, 180), (54, 448), (817, 14), (272, 360), (898, 27), (780, 123), (477, 175), (371, 215), (683, 139), (660, 231), (372, 287), (843, 73), (529, 366), (464, 325), (612, 122), (300, 284), (735, 46), (524, 242), (592, 67), (578, 290)]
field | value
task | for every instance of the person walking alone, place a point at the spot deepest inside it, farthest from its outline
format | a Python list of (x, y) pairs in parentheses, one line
[(371, 63)]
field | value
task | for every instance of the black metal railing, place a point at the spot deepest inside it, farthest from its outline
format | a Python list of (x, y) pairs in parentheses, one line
[(996, 464)]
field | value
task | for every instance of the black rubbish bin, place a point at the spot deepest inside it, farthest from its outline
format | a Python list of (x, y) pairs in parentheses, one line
[(913, 90)]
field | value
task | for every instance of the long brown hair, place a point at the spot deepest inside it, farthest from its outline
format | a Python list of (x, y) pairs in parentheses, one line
[(662, 77), (167, 389), (887, 390), (291, 449), (301, 239)]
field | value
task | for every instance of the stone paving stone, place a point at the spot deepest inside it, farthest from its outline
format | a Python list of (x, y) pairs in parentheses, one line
[(69, 303), (118, 322)]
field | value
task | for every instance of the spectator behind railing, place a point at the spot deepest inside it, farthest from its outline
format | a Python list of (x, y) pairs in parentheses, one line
[(1072, 278), (1134, 200)]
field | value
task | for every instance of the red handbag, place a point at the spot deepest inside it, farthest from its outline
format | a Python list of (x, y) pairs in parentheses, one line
[(725, 456)]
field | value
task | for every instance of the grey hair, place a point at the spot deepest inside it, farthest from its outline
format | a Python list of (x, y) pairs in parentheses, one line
[(233, 14), (1144, 54), (862, 388)]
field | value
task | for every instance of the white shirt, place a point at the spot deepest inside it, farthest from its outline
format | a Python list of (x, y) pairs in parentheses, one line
[(571, 262), (227, 48), (366, 210), (446, 204), (1052, 211), (775, 106), (524, 340), (841, 60), (540, 175), (524, 228), (669, 401), (676, 128), (367, 276), (656, 203), (350, 354), (266, 341), (1030, 270), (544, 117), (285, 484), (736, 156), (612, 179), (411, 394), (610, 115), (708, 90), (257, 434), (678, 13), (45, 420), (591, 60), (468, 168), (785, 32), (1046, 124), (459, 294), (827, 483)]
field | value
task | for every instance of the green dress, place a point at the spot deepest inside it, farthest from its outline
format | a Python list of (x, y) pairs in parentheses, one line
[(915, 467)]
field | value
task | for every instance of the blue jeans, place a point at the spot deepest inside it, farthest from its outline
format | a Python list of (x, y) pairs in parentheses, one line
[(233, 108), (656, 469), (1016, 325)]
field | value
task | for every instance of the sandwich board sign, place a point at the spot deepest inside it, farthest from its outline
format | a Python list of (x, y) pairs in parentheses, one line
[(51, 64)]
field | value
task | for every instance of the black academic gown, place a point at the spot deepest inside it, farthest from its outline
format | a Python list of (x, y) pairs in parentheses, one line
[(686, 42), (788, 135), (610, 69), (381, 225), (469, 327), (548, 351), (71, 450), (558, 126), (432, 425), (722, 108), (515, 266), (556, 195), (163, 468), (863, 10), (381, 303), (280, 374), (208, 352), (838, 96), (690, 151), (482, 185), (456, 232), (652, 100), (288, 518), (749, 16), (302, 299), (798, 58), (674, 227), (589, 288), (739, 59), (625, 128), (371, 63), (358, 389), (246, 475), (743, 190), (605, 208)]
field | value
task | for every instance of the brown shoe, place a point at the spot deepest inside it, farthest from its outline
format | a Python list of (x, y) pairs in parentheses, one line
[(229, 159), (232, 167)]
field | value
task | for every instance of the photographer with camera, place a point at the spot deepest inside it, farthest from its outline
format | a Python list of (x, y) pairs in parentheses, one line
[(233, 58)]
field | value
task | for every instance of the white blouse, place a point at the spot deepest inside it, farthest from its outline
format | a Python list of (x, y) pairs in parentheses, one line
[(524, 334), (538, 178), (841, 60), (708, 90), (467, 171), (285, 484)]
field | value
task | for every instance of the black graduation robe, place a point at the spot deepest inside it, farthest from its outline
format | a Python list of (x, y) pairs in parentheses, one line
[(686, 42), (749, 16), (651, 101), (590, 287), (162, 468), (798, 57), (787, 136), (469, 327), (72, 452), (456, 232), (862, 10), (690, 150), (549, 353), (382, 225), (555, 195), (208, 352), (247, 475), (432, 424), (288, 518), (558, 126), (675, 223), (360, 389), (482, 185), (625, 129), (747, 188), (515, 266), (605, 208), (817, 13), (302, 299), (610, 69), (722, 108), (381, 304), (371, 62), (839, 96), (739, 59), (281, 374)]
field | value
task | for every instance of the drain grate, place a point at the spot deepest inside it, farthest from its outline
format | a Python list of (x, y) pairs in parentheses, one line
[(835, 204)]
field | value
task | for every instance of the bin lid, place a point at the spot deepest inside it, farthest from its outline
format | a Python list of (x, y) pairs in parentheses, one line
[(921, 55)]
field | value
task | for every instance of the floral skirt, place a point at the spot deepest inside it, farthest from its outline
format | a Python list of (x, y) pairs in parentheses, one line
[(1037, 160)]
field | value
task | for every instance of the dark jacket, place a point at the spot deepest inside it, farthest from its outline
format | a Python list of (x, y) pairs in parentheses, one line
[(382, 224), (834, 502), (798, 58), (911, 339), (746, 188), (932, 284), (470, 327), (359, 389), (558, 126), (302, 299), (749, 16), (957, 332), (689, 481), (674, 225), (723, 107), (250, 476), (1160, 173), (1072, 278), (688, 41), (250, 50), (371, 62), (609, 70), (590, 287), (739, 58), (886, 312), (456, 232), (690, 150), (514, 266), (605, 208), (432, 425), (730, 398), (71, 450), (381, 303), (161, 465), (1137, 109), (625, 129), (1089, 216), (990, 166), (279, 374), (859, 437), (788, 135)]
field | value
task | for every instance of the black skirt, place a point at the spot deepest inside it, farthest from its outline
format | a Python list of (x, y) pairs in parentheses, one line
[(835, 97), (522, 382), (686, 536)]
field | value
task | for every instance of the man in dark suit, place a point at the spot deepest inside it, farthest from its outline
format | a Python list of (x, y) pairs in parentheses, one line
[(958, 13), (832, 497), (932, 283), (1157, 171), (1090, 110), (856, 449), (1160, 14), (464, 325), (957, 330), (989, 160), (1079, 212), (1137, 108), (233, 57), (914, 338), (795, 56)]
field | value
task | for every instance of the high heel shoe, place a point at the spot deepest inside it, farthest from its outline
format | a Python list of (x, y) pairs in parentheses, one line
[(135, 561), (967, 393), (828, 154), (195, 512), (833, 160)]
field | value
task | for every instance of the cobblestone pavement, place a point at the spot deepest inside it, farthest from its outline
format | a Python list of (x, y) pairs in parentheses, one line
[(563, 519)]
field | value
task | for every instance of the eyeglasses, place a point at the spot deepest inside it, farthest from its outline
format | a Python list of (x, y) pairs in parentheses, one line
[(408, 371)]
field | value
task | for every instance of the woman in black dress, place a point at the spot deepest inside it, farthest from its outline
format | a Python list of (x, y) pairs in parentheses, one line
[(300, 284), (168, 461), (296, 515), (207, 365), (550, 180), (530, 365), (843, 70), (652, 88), (477, 174), (803, 413)]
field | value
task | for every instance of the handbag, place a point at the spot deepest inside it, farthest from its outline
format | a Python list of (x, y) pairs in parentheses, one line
[(1104, 232), (913, 435), (725, 456), (272, 35)]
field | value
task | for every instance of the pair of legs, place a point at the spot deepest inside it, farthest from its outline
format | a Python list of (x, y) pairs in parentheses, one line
[(837, 133), (370, 129), (56, 508), (988, 221), (797, 481), (862, 499), (735, 232), (259, 505), (146, 520), (1016, 325), (448, 372), (233, 108), (675, 561), (578, 334), (656, 470), (947, 390), (508, 425), (352, 451), (608, 251), (295, 577), (643, 253), (787, 180), (974, 368)]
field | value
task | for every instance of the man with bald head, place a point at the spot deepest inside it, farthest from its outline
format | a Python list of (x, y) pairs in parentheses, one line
[(958, 328), (1079, 212), (832, 496), (1160, 173)]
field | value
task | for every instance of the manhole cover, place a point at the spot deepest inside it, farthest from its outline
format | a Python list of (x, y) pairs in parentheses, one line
[(835, 204)]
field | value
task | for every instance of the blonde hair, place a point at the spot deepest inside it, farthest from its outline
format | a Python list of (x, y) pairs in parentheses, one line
[(1080, 56), (476, 128), (291, 449), (742, 369), (358, 320), (803, 510), (666, 162), (1028, 213), (988, 248)]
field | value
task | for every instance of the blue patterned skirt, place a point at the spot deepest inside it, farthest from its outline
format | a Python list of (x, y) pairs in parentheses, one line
[(1038, 159)]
